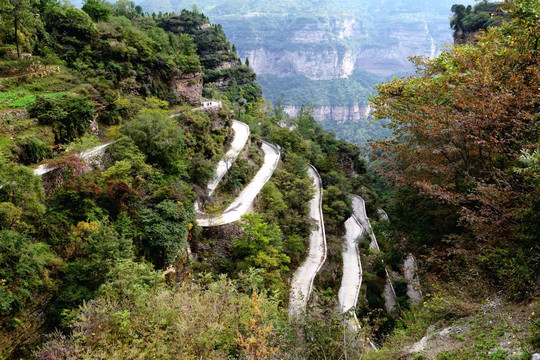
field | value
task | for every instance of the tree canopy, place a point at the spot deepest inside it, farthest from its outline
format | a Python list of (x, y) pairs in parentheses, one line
[(462, 123)]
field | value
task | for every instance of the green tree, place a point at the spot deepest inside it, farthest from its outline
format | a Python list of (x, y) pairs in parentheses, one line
[(165, 230), (125, 8), (71, 31), (20, 187), (69, 116), (21, 16), (160, 138), (23, 264), (96, 249), (261, 247), (98, 10)]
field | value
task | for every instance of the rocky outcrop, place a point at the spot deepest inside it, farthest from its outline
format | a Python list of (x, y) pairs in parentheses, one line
[(188, 87), (338, 113), (325, 64)]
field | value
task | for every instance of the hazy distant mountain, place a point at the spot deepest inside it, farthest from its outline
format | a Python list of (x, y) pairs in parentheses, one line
[(327, 52)]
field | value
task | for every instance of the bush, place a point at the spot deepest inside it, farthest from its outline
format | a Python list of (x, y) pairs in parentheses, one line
[(160, 138), (21, 187), (22, 269), (69, 116), (33, 151)]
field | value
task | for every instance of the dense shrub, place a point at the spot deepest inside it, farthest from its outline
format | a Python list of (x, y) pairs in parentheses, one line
[(160, 139), (69, 116), (23, 264)]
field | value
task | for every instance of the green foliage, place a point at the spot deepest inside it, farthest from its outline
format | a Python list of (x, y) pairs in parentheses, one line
[(160, 138), (238, 175), (96, 247), (98, 10), (130, 280), (187, 322), (103, 223), (72, 31), (70, 116), (24, 265), (18, 24), (23, 189), (299, 89), (261, 247), (33, 151), (165, 230), (467, 21)]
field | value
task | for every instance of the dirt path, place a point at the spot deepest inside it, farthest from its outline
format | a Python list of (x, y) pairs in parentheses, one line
[(242, 203), (302, 282)]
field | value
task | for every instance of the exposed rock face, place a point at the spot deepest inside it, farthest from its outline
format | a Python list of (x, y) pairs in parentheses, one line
[(227, 65), (337, 113), (188, 87), (326, 41), (330, 62)]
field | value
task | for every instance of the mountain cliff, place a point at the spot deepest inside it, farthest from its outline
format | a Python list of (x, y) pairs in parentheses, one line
[(324, 41)]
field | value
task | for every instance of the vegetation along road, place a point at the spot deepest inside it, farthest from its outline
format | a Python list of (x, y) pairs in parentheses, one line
[(359, 210), (242, 203)]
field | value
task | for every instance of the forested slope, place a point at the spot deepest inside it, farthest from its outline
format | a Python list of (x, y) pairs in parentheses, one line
[(105, 259), (86, 245)]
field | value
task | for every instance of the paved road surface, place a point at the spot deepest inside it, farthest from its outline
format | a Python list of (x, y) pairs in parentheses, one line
[(352, 267), (359, 210), (241, 135), (87, 155), (242, 203), (302, 281)]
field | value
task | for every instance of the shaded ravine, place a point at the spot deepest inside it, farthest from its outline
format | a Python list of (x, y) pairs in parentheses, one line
[(302, 282), (243, 201), (359, 210)]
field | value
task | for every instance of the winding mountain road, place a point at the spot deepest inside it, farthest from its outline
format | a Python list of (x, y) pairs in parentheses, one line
[(351, 281), (87, 155), (302, 282), (359, 210), (352, 267), (242, 203), (241, 136)]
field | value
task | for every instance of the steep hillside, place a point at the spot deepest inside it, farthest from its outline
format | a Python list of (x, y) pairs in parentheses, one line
[(105, 150), (137, 221)]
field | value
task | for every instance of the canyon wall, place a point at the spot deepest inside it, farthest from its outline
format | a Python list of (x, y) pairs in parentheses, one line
[(337, 113), (302, 50)]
